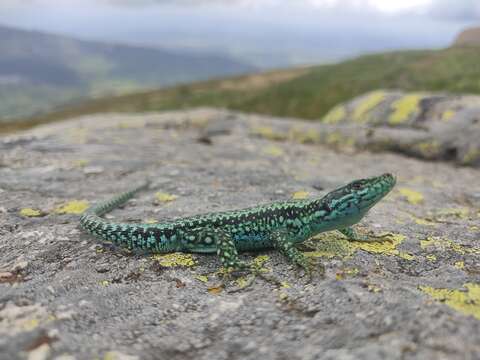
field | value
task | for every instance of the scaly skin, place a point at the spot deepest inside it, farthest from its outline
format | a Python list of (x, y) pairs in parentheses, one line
[(278, 225)]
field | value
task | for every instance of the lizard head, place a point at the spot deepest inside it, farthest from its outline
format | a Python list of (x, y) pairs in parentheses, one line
[(359, 195)]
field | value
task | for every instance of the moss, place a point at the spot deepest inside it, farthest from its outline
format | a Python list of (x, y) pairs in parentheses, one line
[(165, 197), (404, 108), (29, 212), (466, 302), (360, 114), (412, 196), (73, 207), (335, 115), (175, 260)]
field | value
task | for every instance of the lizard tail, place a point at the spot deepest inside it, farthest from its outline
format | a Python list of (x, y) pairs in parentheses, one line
[(107, 206)]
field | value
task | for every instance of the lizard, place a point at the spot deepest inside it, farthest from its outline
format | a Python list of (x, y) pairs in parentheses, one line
[(279, 225)]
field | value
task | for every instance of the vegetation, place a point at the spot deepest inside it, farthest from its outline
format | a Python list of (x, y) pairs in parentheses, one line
[(306, 93)]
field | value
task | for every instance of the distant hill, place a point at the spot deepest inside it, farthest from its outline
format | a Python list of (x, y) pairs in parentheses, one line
[(306, 93), (468, 37), (39, 70)]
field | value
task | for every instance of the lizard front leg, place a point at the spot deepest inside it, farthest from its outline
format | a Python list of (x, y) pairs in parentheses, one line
[(351, 234), (282, 242)]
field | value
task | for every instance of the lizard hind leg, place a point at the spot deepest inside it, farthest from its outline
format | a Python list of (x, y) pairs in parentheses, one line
[(227, 252)]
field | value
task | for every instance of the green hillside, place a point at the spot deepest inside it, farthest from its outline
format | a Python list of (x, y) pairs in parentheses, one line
[(307, 93)]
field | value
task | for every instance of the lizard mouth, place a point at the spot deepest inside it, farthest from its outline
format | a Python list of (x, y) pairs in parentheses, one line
[(375, 189)]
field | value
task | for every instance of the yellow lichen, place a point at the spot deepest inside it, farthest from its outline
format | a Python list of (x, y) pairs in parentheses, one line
[(304, 136), (272, 150), (443, 244), (267, 132), (447, 115), (431, 258), (104, 282), (72, 207), (471, 155), (404, 108), (175, 259), (412, 196), (29, 212), (165, 197), (342, 274), (331, 246), (360, 114), (131, 124), (335, 115), (241, 282), (260, 260), (80, 163), (285, 285), (466, 302), (300, 195), (202, 278), (459, 265), (422, 221), (150, 221), (428, 149), (337, 140)]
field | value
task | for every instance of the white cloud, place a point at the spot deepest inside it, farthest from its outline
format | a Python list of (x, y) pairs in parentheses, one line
[(467, 10)]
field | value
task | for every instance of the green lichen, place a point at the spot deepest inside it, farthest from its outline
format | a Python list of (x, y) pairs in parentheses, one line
[(404, 108), (360, 114), (335, 115), (466, 302)]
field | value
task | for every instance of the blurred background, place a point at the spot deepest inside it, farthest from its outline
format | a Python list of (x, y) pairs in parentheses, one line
[(306, 54)]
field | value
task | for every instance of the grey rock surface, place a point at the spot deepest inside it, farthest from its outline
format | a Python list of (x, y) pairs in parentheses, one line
[(433, 126), (64, 295)]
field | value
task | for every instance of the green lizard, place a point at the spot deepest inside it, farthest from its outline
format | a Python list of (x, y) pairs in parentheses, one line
[(279, 225)]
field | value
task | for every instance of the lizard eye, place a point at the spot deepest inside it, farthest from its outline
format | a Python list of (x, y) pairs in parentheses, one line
[(356, 186)]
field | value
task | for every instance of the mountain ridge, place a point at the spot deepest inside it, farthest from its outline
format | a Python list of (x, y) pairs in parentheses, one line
[(57, 69)]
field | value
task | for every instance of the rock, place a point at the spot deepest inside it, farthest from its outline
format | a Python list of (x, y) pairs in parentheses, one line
[(413, 295), (468, 37)]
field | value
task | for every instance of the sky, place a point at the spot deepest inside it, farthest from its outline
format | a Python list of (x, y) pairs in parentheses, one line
[(267, 33)]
